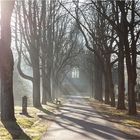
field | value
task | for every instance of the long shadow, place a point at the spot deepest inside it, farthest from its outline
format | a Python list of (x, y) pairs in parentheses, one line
[(81, 111), (85, 108), (81, 108), (45, 110), (26, 114), (64, 125), (100, 130), (16, 132), (84, 127), (105, 116), (86, 114)]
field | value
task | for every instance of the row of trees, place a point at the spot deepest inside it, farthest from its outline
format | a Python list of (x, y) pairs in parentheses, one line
[(47, 41), (111, 31)]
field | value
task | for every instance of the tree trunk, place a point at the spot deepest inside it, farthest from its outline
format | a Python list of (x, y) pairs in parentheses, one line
[(6, 63), (44, 83), (131, 97), (132, 83), (92, 87), (106, 82), (111, 86), (130, 57), (36, 83), (7, 100), (44, 52), (107, 97), (53, 87), (121, 88), (131, 71), (98, 88), (49, 96)]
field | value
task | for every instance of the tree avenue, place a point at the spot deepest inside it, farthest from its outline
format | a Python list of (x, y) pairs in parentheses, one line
[(52, 38)]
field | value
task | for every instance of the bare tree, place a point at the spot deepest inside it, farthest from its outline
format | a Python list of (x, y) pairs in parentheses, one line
[(30, 31), (6, 62)]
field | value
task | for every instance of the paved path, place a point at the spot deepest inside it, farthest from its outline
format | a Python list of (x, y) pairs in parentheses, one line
[(78, 121)]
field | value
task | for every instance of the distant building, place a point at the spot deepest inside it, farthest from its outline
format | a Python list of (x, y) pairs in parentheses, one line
[(76, 83)]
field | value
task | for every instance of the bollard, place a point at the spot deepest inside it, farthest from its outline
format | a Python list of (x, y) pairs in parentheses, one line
[(24, 105)]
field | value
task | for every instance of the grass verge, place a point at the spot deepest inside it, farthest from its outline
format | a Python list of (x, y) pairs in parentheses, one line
[(32, 125), (124, 122)]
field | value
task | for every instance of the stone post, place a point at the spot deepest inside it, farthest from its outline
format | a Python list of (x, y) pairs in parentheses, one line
[(24, 105)]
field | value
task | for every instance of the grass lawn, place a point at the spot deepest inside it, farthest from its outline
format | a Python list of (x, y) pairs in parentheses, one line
[(124, 122), (33, 126)]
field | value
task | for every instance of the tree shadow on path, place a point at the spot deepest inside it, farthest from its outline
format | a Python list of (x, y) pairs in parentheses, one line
[(45, 110), (15, 130), (84, 126)]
